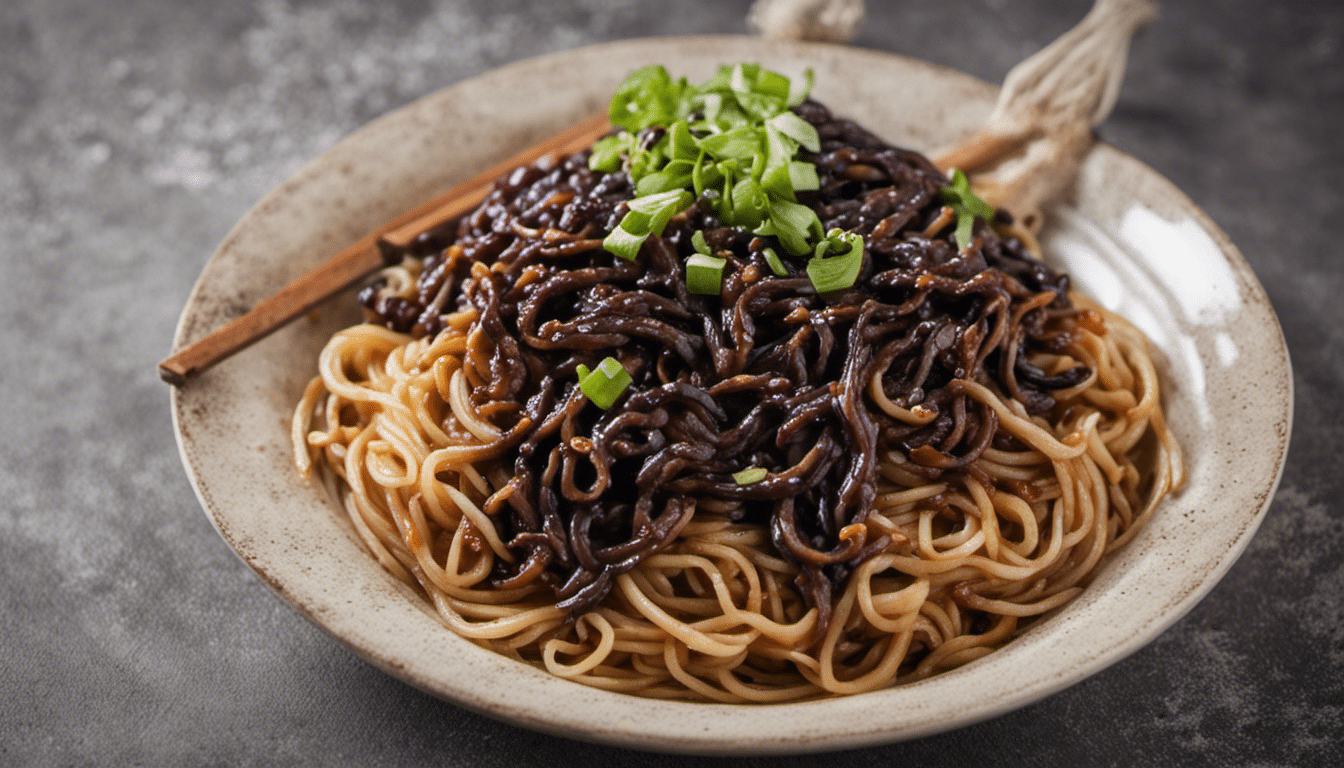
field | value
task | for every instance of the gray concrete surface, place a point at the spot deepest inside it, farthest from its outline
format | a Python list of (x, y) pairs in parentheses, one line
[(133, 133)]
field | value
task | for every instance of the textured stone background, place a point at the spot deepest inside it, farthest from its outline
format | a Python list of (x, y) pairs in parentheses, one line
[(133, 133)]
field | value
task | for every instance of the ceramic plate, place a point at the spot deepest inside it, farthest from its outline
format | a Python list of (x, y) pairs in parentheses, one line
[(1130, 239)]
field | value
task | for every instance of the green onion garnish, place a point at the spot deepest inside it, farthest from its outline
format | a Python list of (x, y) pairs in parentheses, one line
[(803, 177), (648, 216), (663, 204), (698, 242), (773, 261), (606, 154), (704, 274), (965, 227), (838, 272), (605, 383), (731, 140), (965, 204), (750, 475), (796, 128), (794, 224), (624, 244)]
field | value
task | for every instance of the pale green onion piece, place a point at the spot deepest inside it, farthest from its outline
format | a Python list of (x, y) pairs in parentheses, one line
[(704, 274), (966, 206), (960, 194), (772, 84), (773, 261), (796, 128), (637, 223), (965, 223), (678, 201), (775, 180), (738, 143), (653, 205), (751, 475), (731, 116), (711, 105), (649, 96), (836, 273), (979, 207), (604, 384), (698, 242), (741, 77), (775, 175), (607, 152), (660, 181), (798, 90), (803, 177), (751, 203), (675, 176), (624, 244), (648, 216), (681, 145), (759, 106), (794, 224)]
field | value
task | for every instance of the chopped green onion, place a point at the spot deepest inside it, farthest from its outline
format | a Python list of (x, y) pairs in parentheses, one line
[(705, 176), (836, 273), (751, 203), (648, 216), (675, 176), (961, 193), (739, 79), (732, 141), (698, 242), (798, 90), (757, 106), (704, 274), (772, 84), (751, 475), (648, 96), (655, 205), (607, 152), (711, 104), (734, 144), (624, 244), (965, 224), (604, 384), (681, 144), (794, 224), (773, 261), (796, 128), (803, 177), (637, 223), (775, 176), (966, 205)]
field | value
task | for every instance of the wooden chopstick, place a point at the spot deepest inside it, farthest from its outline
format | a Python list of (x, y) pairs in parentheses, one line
[(363, 257), (983, 150)]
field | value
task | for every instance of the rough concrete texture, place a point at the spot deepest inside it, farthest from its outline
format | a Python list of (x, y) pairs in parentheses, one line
[(133, 133)]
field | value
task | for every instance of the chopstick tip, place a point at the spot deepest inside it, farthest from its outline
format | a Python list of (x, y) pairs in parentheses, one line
[(173, 372)]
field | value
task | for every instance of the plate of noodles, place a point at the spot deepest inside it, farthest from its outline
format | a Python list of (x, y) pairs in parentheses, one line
[(696, 444)]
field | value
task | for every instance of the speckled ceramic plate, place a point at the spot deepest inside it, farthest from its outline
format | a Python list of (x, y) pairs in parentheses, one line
[(1129, 237)]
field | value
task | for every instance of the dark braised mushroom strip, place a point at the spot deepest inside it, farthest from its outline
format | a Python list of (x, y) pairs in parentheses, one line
[(767, 375)]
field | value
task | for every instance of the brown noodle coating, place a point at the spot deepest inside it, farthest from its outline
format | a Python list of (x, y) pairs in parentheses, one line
[(903, 384)]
